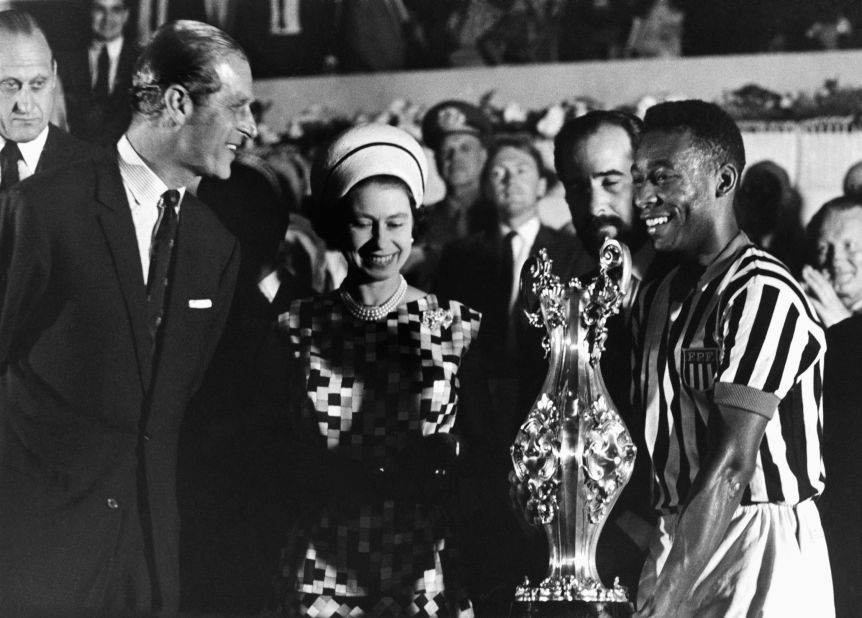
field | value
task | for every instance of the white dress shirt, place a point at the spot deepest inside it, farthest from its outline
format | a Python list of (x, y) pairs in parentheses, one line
[(30, 153), (144, 190), (114, 49)]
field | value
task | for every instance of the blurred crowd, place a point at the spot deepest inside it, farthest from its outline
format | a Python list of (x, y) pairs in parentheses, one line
[(311, 37)]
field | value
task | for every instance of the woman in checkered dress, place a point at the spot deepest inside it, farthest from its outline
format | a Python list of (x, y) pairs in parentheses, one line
[(374, 392)]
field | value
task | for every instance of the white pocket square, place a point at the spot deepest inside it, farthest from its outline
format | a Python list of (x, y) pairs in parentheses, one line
[(200, 303)]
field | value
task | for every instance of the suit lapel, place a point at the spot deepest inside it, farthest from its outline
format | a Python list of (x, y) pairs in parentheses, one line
[(175, 336), (50, 150), (116, 221), (543, 240), (185, 255)]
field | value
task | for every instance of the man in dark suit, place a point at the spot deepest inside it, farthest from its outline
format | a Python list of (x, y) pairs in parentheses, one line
[(116, 284), (841, 504), (97, 78), (482, 271), (28, 143)]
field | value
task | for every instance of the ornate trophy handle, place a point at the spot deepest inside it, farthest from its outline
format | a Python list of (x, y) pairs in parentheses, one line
[(606, 294), (614, 255)]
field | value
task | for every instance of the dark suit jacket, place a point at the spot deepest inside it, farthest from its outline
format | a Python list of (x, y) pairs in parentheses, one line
[(62, 149), (90, 418), (470, 271), (497, 552), (89, 119), (841, 503)]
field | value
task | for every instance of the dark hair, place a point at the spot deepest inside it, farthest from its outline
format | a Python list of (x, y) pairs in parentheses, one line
[(329, 219), (842, 203), (582, 127), (180, 53), (710, 127), (522, 143), (21, 23)]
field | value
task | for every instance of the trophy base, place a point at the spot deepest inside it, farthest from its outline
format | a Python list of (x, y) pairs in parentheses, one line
[(571, 609)]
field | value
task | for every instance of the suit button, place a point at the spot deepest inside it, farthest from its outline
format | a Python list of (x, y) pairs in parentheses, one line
[(113, 504)]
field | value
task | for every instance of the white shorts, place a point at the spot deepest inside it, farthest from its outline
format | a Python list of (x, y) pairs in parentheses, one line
[(772, 562)]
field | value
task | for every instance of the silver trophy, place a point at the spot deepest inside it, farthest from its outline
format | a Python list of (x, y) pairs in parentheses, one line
[(573, 455)]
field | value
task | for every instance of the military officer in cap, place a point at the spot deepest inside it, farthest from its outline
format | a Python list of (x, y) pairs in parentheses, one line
[(459, 134)]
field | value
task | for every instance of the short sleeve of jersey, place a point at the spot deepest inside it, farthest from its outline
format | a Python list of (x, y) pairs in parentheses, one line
[(770, 337)]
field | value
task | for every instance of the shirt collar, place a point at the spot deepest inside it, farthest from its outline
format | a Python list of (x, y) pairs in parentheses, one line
[(114, 47), (32, 150), (143, 183), (527, 230), (737, 243)]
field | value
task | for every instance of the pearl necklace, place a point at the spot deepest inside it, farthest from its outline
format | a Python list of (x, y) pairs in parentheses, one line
[(373, 313)]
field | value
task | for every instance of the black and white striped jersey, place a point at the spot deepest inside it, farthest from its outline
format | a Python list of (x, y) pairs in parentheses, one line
[(744, 335)]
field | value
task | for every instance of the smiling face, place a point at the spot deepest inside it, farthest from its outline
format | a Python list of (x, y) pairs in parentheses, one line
[(514, 185), (839, 253), (220, 123), (107, 19), (27, 80), (596, 175), (675, 190), (379, 229), (460, 158)]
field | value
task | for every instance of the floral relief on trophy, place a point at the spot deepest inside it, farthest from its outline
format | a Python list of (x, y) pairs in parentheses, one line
[(536, 458), (608, 460)]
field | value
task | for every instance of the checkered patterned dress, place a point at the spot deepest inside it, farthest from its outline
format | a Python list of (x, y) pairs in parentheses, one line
[(366, 389)]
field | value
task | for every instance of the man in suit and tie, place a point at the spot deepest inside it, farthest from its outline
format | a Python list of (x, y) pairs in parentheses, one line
[(116, 284), (28, 142), (97, 78), (482, 270)]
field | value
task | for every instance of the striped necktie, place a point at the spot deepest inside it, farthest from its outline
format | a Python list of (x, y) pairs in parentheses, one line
[(160, 261)]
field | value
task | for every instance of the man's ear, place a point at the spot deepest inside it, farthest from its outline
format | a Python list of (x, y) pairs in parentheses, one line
[(178, 104), (728, 179)]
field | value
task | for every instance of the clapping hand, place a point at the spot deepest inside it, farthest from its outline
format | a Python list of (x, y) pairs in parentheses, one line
[(829, 307)]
